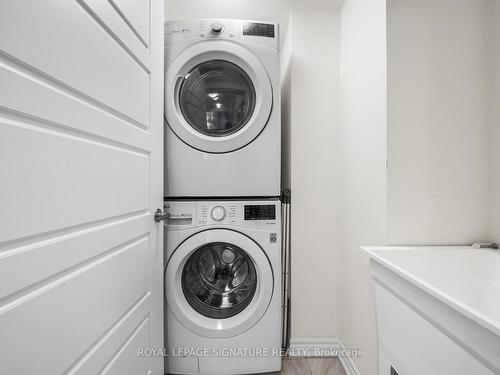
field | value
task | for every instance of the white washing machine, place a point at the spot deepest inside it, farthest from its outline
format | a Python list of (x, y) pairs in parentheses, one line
[(222, 109), (223, 287)]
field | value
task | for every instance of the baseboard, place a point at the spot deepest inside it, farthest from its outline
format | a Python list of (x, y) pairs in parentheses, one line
[(321, 347)]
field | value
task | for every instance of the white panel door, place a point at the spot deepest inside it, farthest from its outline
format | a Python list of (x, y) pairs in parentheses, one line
[(81, 154)]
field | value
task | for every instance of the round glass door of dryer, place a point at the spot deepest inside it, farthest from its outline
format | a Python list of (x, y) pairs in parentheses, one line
[(217, 98), (219, 280)]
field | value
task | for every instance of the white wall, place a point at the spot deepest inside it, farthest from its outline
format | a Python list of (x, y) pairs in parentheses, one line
[(437, 121), (362, 208), (443, 167), (314, 149)]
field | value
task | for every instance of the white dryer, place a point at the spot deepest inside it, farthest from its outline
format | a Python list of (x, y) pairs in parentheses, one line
[(223, 287), (222, 109)]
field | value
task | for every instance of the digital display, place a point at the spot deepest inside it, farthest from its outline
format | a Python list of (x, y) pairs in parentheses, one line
[(260, 212), (259, 29)]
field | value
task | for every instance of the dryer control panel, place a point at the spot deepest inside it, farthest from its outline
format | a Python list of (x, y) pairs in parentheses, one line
[(255, 214), (254, 32)]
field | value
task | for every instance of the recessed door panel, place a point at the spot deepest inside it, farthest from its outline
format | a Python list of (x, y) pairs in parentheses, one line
[(67, 41)]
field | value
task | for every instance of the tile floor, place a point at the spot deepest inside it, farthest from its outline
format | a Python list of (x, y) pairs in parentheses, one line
[(311, 366)]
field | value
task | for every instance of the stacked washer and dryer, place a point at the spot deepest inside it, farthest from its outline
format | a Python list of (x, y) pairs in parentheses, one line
[(222, 188)]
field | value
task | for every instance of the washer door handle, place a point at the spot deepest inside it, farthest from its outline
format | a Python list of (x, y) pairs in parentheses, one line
[(160, 215)]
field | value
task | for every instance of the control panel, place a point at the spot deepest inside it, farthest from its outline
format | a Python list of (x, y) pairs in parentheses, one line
[(254, 32), (259, 29), (258, 214), (211, 213)]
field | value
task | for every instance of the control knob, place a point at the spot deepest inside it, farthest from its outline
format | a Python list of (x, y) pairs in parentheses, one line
[(218, 213), (217, 27)]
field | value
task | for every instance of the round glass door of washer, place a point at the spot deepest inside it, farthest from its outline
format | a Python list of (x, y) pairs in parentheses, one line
[(218, 283), (219, 280)]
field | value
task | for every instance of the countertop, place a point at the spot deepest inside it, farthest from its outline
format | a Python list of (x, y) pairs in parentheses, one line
[(464, 278)]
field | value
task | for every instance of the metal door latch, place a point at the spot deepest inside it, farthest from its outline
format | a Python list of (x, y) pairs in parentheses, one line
[(159, 215)]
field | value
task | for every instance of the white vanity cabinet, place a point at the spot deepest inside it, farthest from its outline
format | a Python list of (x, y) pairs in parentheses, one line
[(438, 310)]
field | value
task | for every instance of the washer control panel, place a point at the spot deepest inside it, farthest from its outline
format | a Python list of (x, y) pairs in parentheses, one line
[(254, 214), (260, 211), (220, 213)]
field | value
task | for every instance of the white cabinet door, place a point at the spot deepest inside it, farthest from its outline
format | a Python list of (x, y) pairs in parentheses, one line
[(81, 154)]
